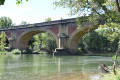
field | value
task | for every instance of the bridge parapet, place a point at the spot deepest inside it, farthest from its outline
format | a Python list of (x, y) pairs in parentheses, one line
[(42, 24)]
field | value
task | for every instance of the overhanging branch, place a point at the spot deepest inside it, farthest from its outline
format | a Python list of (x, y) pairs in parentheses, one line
[(117, 5)]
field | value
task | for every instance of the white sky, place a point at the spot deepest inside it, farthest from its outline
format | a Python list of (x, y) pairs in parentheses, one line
[(33, 11)]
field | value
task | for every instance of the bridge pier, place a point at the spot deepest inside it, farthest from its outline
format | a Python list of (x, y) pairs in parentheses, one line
[(65, 51), (62, 40), (62, 44), (63, 47), (12, 43)]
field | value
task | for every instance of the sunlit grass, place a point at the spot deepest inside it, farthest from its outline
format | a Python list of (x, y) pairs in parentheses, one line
[(112, 76)]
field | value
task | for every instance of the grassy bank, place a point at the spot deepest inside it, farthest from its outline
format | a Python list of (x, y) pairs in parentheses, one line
[(3, 52), (112, 76)]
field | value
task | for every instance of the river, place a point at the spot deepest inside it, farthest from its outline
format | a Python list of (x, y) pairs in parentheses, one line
[(46, 67)]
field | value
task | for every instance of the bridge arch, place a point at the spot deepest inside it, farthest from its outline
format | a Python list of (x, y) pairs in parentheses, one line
[(23, 39), (77, 35)]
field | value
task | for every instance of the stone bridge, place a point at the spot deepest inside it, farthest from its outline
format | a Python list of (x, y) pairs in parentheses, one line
[(65, 32)]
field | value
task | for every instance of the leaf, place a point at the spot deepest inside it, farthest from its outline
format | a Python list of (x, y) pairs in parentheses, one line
[(2, 2), (118, 58), (114, 57)]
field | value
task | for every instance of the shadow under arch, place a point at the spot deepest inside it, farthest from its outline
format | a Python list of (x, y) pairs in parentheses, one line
[(77, 35), (24, 38), (7, 42)]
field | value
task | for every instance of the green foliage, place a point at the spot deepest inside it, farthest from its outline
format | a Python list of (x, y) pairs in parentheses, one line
[(96, 11), (16, 51), (23, 23), (20, 1), (5, 22), (112, 76), (51, 43), (3, 52), (2, 41), (114, 57), (31, 43), (2, 2), (17, 2), (96, 41), (48, 19), (103, 8), (79, 49), (44, 41), (38, 41)]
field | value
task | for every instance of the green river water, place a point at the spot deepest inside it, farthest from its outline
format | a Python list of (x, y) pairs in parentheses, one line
[(46, 67)]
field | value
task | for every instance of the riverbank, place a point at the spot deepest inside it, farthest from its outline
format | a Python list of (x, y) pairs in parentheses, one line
[(99, 54)]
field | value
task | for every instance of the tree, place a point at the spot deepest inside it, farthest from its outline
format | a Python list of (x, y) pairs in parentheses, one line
[(48, 19), (51, 42), (96, 41), (31, 43), (2, 2), (96, 11), (23, 23), (2, 41), (17, 2), (38, 43), (107, 11), (5, 22), (43, 41)]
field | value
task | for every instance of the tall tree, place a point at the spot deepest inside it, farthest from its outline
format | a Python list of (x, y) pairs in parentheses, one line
[(96, 41), (99, 10), (96, 11), (103, 10), (44, 41), (5, 22)]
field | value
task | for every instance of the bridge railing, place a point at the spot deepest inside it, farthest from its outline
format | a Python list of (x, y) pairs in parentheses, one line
[(72, 20)]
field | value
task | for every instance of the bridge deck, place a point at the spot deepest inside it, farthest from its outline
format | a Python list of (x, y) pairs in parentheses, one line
[(72, 20)]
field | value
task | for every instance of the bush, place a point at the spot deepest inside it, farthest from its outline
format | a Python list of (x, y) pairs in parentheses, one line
[(112, 76), (79, 49), (3, 52), (16, 51)]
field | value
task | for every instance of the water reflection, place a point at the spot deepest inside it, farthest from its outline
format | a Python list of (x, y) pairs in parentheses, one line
[(59, 64), (45, 67)]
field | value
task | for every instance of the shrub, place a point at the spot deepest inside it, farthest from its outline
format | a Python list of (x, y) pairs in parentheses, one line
[(79, 49), (16, 51), (112, 76)]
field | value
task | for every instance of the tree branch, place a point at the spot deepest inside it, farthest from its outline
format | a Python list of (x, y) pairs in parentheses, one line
[(106, 11), (117, 5), (2, 2), (95, 10)]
